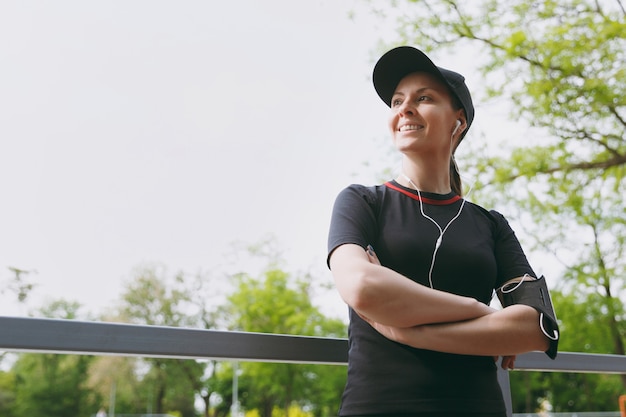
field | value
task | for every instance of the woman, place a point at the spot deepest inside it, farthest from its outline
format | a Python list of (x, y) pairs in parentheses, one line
[(422, 335)]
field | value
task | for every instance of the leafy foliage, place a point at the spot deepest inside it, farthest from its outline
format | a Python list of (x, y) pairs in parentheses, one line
[(155, 298), (52, 385), (60, 385), (274, 303), (7, 393)]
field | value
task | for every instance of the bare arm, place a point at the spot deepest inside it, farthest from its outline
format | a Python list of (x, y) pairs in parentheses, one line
[(388, 298), (510, 331)]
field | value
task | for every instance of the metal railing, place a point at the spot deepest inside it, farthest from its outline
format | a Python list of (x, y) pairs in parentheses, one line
[(22, 334)]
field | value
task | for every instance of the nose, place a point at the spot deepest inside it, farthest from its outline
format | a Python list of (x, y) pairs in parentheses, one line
[(406, 109)]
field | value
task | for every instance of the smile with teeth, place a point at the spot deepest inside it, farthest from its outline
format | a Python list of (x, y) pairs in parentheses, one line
[(404, 128)]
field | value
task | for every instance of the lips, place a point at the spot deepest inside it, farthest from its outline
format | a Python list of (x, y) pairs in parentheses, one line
[(405, 128)]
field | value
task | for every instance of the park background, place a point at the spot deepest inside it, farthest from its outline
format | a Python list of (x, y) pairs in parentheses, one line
[(161, 139)]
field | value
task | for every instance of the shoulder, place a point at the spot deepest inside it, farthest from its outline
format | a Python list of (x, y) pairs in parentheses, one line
[(361, 189), (362, 193), (494, 216), (500, 220), (494, 219)]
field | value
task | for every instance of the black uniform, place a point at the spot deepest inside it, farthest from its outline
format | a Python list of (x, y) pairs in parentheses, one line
[(479, 252)]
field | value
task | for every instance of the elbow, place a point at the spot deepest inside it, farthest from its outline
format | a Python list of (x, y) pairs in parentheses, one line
[(357, 279), (544, 344), (527, 320), (536, 341), (358, 290)]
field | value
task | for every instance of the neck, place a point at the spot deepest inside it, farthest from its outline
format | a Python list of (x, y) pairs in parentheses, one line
[(425, 177)]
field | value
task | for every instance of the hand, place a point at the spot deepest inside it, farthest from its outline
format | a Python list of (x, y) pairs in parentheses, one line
[(508, 361), (371, 255)]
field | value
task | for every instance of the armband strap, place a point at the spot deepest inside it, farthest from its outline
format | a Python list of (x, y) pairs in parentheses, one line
[(533, 293)]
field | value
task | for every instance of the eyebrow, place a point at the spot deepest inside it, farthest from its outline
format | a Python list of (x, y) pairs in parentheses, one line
[(419, 90)]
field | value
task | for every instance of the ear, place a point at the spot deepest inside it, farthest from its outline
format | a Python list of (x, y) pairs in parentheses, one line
[(457, 125), (460, 126), (463, 120)]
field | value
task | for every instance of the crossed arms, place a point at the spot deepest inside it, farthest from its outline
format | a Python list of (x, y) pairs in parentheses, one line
[(422, 317)]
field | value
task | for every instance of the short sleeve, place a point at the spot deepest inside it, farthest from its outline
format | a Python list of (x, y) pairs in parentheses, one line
[(510, 256), (353, 218)]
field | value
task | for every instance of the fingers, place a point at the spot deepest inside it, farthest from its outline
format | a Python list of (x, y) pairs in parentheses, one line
[(371, 255), (508, 362)]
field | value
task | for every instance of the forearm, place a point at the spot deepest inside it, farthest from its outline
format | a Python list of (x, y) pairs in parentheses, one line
[(390, 298), (384, 296), (510, 331)]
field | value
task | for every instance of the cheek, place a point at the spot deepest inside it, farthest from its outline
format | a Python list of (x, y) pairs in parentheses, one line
[(392, 122)]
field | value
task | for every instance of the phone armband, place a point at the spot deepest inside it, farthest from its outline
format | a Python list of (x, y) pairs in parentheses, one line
[(534, 293)]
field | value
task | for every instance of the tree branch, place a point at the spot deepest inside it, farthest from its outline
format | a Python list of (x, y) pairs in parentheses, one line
[(615, 161), (582, 166), (613, 110), (584, 135)]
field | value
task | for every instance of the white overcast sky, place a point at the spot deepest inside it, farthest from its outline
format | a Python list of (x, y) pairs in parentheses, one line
[(162, 131)]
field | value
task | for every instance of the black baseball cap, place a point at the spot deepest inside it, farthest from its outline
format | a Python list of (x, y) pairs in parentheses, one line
[(399, 62)]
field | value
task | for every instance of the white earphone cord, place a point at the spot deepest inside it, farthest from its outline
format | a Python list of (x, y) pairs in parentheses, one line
[(441, 231)]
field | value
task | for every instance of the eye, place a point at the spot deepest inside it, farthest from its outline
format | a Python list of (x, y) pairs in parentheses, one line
[(423, 98), (396, 102)]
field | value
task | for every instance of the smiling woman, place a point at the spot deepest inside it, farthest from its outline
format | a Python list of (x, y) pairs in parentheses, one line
[(422, 335)]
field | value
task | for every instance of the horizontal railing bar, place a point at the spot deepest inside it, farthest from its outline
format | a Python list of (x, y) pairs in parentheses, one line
[(20, 334), (572, 362), (102, 338)]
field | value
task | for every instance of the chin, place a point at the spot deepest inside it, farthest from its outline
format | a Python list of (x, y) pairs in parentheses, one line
[(407, 145)]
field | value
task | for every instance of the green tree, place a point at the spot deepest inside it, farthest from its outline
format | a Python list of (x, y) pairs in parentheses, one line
[(7, 393), (115, 378), (580, 392), (20, 285), (52, 385), (584, 327), (560, 67), (215, 384), (276, 303), (153, 297), (222, 389)]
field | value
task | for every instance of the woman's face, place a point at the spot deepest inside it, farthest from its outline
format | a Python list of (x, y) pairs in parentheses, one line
[(422, 118)]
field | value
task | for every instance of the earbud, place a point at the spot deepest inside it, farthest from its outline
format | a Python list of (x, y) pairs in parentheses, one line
[(456, 127)]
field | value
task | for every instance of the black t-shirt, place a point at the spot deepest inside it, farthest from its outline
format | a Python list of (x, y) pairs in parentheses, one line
[(479, 252)]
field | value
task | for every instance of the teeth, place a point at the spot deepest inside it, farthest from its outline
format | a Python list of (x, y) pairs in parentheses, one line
[(408, 127)]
